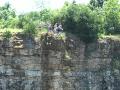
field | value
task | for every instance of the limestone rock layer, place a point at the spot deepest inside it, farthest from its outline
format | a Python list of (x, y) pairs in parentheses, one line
[(51, 64)]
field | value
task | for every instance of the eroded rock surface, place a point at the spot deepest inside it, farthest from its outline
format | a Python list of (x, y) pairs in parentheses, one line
[(51, 64)]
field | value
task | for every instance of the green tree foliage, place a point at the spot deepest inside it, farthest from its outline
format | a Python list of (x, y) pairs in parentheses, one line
[(22, 21), (7, 34), (34, 18), (46, 15), (81, 21), (26, 22), (112, 17), (85, 21), (6, 15), (29, 29), (87, 25), (97, 3)]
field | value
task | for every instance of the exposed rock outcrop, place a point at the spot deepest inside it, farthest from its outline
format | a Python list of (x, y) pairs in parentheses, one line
[(51, 64)]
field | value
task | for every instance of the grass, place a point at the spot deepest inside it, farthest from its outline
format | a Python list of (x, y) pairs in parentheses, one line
[(55, 35), (113, 37), (42, 31), (15, 30), (60, 36)]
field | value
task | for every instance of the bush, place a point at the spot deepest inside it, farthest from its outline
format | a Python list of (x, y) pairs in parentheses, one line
[(112, 17), (81, 21), (7, 34), (29, 29), (87, 28)]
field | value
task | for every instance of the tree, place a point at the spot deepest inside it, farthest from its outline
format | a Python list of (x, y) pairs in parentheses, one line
[(6, 14), (45, 15), (81, 21), (87, 25), (112, 17), (96, 3)]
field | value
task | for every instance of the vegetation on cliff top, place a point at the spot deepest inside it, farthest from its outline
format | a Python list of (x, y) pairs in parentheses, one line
[(89, 22)]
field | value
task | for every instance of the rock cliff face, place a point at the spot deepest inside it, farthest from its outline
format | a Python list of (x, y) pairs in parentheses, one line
[(51, 64)]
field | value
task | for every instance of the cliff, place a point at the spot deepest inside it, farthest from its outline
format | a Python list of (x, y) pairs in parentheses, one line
[(48, 63)]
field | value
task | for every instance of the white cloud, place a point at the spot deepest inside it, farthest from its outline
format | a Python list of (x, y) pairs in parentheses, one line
[(56, 4), (2, 2), (22, 6), (83, 1)]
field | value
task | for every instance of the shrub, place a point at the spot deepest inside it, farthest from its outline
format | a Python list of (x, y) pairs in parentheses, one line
[(7, 34), (81, 21), (112, 17), (29, 29)]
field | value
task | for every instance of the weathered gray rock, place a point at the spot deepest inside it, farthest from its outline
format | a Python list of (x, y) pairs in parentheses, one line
[(62, 65)]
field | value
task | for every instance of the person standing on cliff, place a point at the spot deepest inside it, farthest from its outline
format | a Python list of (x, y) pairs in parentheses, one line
[(50, 28), (55, 27), (58, 28)]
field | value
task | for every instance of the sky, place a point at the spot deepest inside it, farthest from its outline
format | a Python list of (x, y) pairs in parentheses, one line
[(22, 6)]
